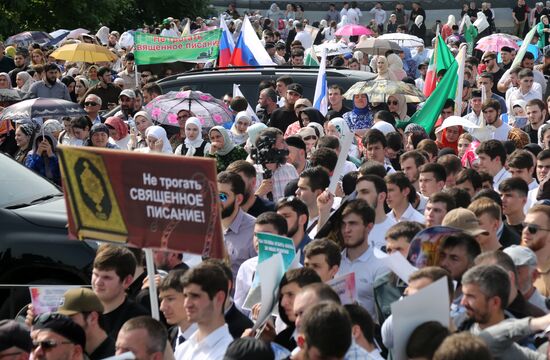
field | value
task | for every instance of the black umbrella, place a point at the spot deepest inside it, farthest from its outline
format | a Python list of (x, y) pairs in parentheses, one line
[(40, 108), (13, 95)]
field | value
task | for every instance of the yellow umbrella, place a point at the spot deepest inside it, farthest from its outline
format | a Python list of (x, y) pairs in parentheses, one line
[(90, 53)]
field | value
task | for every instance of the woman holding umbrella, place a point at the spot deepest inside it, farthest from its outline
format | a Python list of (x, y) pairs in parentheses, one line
[(43, 160), (194, 144), (359, 119), (223, 149)]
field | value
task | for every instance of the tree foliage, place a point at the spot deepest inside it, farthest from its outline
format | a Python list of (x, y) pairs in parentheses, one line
[(49, 15)]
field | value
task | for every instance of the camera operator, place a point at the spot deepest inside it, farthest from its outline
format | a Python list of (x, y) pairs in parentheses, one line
[(270, 158)]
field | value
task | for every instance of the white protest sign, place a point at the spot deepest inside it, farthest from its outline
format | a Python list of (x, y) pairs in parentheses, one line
[(271, 272), (429, 304), (397, 263), (339, 169)]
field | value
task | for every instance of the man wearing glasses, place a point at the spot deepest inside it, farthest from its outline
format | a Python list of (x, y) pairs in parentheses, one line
[(15, 341), (57, 337), (536, 236), (491, 66), (92, 105)]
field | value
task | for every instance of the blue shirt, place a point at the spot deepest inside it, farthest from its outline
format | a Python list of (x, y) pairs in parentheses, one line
[(45, 90)]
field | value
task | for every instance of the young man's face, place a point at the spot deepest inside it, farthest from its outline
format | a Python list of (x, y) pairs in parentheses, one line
[(305, 193), (454, 260), (334, 96), (539, 240), (320, 265), (524, 174), (107, 285), (535, 115), (367, 191), (172, 306), (526, 83), (476, 303), (396, 196), (399, 245), (288, 293), (376, 152), (491, 166), (512, 202), (428, 184), (408, 166), (198, 306), (354, 231), (434, 213), (467, 185), (292, 220), (543, 168)]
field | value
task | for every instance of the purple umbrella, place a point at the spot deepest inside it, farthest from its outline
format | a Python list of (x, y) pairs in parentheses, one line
[(26, 38)]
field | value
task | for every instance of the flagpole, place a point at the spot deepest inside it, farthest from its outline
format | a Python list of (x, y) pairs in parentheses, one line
[(461, 57)]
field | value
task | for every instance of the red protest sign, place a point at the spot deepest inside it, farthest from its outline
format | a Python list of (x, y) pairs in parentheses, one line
[(144, 200)]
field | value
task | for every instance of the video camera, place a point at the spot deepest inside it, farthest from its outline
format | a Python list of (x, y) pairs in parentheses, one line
[(265, 153)]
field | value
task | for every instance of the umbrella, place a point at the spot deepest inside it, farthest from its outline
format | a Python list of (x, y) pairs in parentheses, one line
[(57, 36), (456, 121), (209, 110), (353, 30), (495, 43), (379, 90), (333, 48), (404, 40), (26, 38), (40, 108), (13, 95), (376, 46), (76, 33), (83, 52)]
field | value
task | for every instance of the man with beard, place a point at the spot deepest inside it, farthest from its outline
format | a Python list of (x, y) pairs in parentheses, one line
[(105, 89), (295, 212), (252, 204), (356, 223), (373, 190), (297, 153), (282, 117), (21, 64), (486, 290), (267, 104), (536, 236), (51, 87), (238, 226), (126, 100)]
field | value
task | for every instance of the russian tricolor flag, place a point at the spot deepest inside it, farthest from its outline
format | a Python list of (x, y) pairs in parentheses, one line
[(226, 45), (249, 50)]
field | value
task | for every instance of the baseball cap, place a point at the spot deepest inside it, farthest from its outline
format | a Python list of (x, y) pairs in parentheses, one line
[(15, 334), (297, 88), (166, 21), (521, 255), (79, 300), (307, 131), (302, 101), (128, 93), (465, 220), (61, 325)]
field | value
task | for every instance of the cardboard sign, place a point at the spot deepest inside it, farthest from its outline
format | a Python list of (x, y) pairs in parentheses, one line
[(271, 271), (143, 200), (345, 288)]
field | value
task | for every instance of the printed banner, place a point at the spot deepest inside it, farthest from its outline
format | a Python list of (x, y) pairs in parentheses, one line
[(47, 298), (271, 244), (345, 288), (144, 200), (155, 49)]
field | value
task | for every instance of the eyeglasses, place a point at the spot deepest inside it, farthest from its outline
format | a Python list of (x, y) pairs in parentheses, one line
[(311, 137), (90, 103), (533, 228), (223, 197), (393, 102), (48, 344)]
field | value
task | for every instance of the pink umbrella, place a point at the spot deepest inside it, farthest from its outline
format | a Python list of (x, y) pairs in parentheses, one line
[(495, 43), (353, 30)]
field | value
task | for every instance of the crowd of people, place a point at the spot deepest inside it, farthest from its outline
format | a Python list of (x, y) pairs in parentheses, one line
[(273, 176)]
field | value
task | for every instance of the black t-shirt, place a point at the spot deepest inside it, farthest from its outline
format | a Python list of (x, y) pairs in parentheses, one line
[(496, 77), (342, 111), (517, 228), (520, 12), (533, 135), (6, 64), (114, 320), (260, 206), (282, 118), (104, 350)]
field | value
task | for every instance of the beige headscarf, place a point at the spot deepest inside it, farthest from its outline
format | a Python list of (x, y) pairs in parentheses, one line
[(396, 66), (402, 111)]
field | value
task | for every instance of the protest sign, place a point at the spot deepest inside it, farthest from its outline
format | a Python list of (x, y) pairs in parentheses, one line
[(397, 263), (345, 288), (155, 49), (144, 200), (47, 298), (429, 304), (270, 244), (272, 272), (424, 248)]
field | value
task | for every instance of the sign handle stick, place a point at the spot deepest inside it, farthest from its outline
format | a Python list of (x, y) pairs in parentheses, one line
[(152, 286)]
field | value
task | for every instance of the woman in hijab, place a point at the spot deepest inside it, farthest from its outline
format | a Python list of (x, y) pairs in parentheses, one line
[(194, 144), (157, 141), (43, 160), (359, 119), (418, 28), (118, 131), (413, 134), (395, 65), (449, 138), (91, 74), (99, 137), (447, 29), (81, 87), (238, 129), (381, 65), (223, 149), (70, 82), (397, 105), (24, 135), (274, 13), (339, 128), (24, 81), (143, 121), (5, 81), (543, 29)]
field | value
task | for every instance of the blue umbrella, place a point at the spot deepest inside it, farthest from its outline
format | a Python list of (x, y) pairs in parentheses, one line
[(58, 36)]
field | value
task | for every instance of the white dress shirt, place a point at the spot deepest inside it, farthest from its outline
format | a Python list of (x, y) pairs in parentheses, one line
[(212, 347), (377, 236), (410, 214), (500, 176), (186, 335), (243, 283)]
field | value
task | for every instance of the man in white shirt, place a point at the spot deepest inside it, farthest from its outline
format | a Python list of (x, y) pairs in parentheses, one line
[(345, 7), (169, 29), (311, 184), (492, 157), (474, 108), (401, 195), (491, 113), (357, 222), (303, 36), (525, 90), (521, 165), (379, 16), (373, 190), (354, 13), (205, 291)]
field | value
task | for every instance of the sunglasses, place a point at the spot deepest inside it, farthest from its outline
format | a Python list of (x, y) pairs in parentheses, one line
[(311, 137), (90, 103), (533, 228), (393, 102), (48, 344), (223, 197)]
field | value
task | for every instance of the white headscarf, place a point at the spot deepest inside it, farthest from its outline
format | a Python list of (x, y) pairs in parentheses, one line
[(28, 80), (451, 21), (160, 134), (240, 138), (192, 145)]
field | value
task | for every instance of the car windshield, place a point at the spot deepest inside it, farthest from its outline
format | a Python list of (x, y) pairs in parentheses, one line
[(21, 185)]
